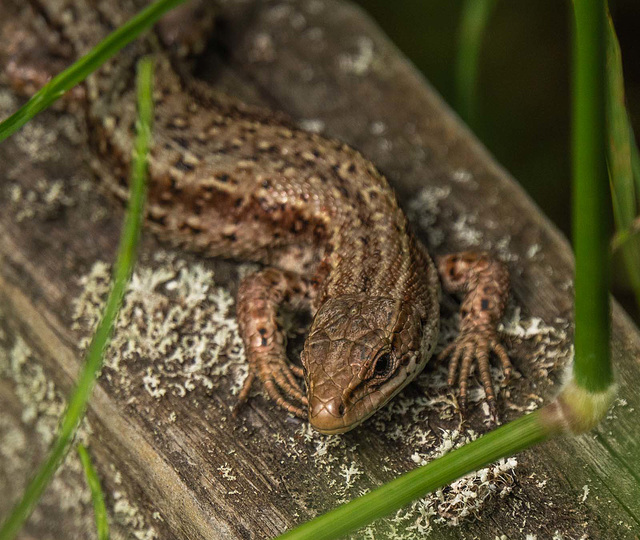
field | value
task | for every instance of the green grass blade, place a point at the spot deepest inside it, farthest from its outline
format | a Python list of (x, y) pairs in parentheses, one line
[(79, 71), (122, 272), (635, 157), (623, 158), (622, 237), (591, 203), (102, 526), (504, 441), (475, 17)]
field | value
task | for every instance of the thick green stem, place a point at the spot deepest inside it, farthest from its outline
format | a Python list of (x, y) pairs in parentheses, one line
[(623, 155), (591, 205), (124, 265)]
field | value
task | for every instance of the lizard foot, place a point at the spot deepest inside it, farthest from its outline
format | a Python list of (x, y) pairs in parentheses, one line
[(484, 282), (259, 298), (477, 345), (279, 381)]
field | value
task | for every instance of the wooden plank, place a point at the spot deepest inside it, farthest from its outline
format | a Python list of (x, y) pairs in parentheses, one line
[(161, 431)]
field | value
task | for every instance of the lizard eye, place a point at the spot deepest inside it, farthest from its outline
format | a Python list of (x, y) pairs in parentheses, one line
[(383, 366)]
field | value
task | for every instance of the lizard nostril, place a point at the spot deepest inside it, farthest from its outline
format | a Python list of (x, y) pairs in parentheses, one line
[(335, 407), (329, 416)]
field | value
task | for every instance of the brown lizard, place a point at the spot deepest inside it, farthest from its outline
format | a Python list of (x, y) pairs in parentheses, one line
[(230, 180)]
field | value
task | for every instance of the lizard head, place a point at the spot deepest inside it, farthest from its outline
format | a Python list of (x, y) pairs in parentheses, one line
[(360, 352)]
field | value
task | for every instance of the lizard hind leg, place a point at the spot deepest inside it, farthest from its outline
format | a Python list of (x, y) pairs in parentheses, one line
[(484, 284), (259, 297)]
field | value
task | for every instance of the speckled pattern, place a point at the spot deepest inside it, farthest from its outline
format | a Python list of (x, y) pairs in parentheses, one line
[(235, 181)]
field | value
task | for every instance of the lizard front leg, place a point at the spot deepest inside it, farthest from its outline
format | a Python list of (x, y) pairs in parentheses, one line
[(259, 297), (485, 285)]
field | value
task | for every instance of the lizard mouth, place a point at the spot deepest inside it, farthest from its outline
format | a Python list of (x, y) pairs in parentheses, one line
[(332, 417), (326, 430)]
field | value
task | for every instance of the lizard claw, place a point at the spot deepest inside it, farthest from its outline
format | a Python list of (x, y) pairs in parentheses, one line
[(469, 346), (280, 384)]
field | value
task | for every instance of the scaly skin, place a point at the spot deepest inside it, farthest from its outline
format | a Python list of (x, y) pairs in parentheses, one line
[(236, 181)]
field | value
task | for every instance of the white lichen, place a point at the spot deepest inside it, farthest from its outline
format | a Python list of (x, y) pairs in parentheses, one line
[(226, 472), (585, 493), (175, 319), (425, 209), (128, 515), (359, 62)]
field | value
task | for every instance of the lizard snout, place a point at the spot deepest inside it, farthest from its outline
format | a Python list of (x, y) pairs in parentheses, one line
[(327, 416)]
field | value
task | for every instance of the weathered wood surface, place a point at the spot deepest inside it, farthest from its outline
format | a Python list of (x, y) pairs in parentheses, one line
[(189, 468)]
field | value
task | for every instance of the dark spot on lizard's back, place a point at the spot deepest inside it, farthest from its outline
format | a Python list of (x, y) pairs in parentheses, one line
[(180, 141), (173, 185), (299, 225), (365, 283), (231, 237), (192, 229), (159, 219), (183, 166), (224, 178)]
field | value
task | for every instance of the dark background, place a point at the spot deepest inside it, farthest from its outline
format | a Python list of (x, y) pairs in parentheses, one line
[(524, 105)]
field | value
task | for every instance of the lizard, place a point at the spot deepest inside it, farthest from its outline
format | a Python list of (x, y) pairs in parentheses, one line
[(241, 182)]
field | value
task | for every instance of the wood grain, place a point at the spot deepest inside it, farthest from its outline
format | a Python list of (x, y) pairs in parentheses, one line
[(191, 469)]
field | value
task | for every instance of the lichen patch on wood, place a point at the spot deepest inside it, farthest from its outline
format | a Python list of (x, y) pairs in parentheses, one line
[(176, 329), (177, 335)]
